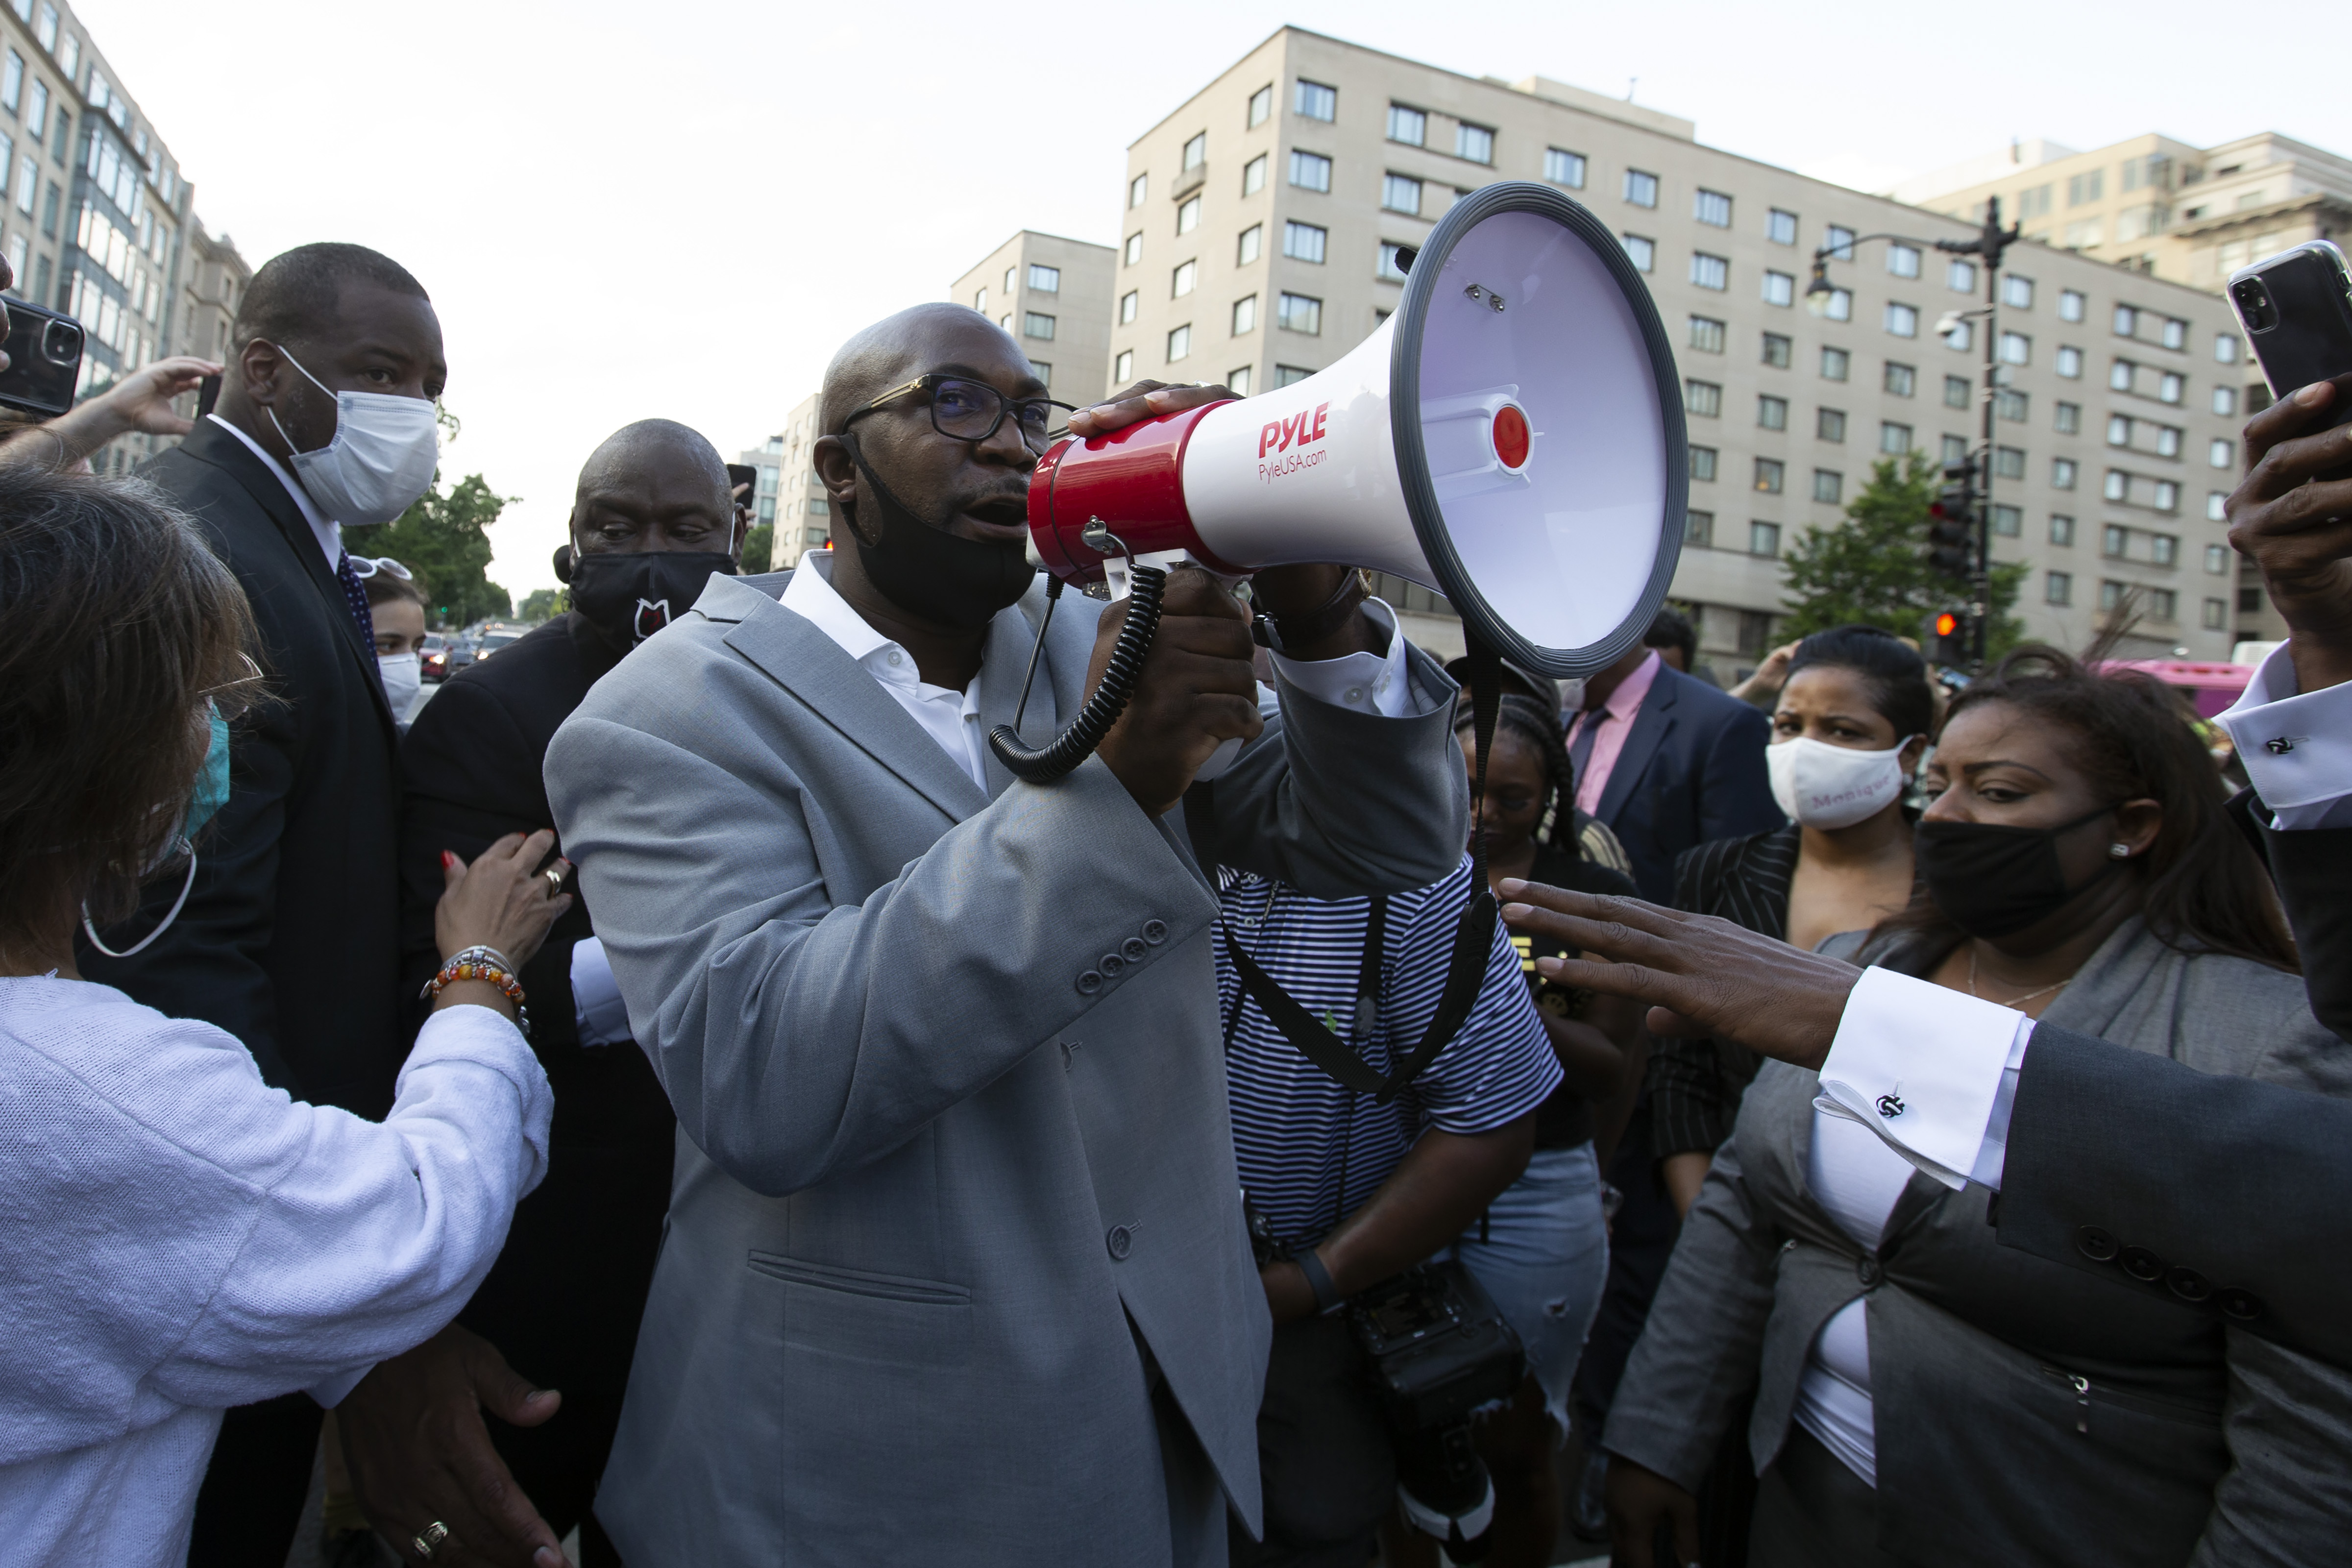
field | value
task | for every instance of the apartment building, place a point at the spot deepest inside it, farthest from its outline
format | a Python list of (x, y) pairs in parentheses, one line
[(213, 280), (789, 495), (1054, 296), (1260, 228)]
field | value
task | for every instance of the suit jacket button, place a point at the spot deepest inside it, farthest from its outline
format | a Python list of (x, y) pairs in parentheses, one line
[(2188, 1285), (1869, 1273), (1089, 982), (2098, 1246), (2141, 1264), (1111, 963), (2242, 1305), (1121, 1241), (1155, 932), (1134, 949)]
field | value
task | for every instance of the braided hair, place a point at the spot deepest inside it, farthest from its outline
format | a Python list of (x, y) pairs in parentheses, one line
[(1535, 722)]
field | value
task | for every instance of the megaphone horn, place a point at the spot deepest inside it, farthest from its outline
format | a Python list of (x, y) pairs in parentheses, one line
[(1511, 438)]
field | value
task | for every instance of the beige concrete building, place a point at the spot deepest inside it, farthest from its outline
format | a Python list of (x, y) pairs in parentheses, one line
[(1053, 295), (213, 278), (788, 493), (1259, 222)]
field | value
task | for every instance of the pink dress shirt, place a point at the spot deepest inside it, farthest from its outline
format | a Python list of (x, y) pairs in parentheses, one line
[(1615, 718)]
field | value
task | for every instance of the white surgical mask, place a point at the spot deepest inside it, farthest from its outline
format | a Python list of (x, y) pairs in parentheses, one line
[(381, 458), (1824, 785), (403, 675)]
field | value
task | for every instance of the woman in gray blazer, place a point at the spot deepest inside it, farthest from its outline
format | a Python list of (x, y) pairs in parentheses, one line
[(1923, 1394)]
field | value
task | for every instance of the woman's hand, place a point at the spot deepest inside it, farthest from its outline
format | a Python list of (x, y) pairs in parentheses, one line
[(1644, 1504), (503, 899)]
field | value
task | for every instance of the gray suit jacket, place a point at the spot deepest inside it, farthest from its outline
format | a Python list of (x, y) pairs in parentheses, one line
[(2026, 1412), (955, 1191)]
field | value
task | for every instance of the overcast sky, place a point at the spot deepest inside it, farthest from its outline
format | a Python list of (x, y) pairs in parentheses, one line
[(679, 208)]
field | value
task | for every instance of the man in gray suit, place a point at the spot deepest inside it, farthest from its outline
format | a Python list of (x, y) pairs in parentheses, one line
[(956, 1268)]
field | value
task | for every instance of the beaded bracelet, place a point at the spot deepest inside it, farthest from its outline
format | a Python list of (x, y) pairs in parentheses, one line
[(484, 963)]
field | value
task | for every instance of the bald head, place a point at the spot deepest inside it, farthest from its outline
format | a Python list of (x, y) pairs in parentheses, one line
[(934, 336), (654, 485)]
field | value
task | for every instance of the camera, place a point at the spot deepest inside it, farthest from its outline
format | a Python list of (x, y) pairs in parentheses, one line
[(2254, 306), (61, 342)]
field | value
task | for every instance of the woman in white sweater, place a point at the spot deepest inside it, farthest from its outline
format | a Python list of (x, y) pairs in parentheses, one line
[(179, 1237)]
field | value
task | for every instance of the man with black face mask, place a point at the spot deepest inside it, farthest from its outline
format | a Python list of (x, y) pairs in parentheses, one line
[(652, 522), (955, 1268)]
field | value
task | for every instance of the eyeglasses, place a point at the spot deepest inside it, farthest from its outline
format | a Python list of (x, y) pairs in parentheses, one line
[(967, 410), (363, 568)]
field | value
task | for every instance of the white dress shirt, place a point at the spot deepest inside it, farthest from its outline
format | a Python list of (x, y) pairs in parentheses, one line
[(181, 1237), (1368, 682), (1950, 1062), (326, 530)]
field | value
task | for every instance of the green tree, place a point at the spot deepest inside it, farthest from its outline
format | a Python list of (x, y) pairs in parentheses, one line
[(543, 605), (759, 548), (444, 539), (1873, 567)]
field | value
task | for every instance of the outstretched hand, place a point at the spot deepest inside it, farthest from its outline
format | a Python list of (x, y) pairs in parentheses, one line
[(1144, 400), (1699, 975), (142, 400)]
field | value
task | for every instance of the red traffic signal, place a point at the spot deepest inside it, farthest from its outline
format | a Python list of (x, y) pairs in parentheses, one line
[(1948, 638), (1947, 623)]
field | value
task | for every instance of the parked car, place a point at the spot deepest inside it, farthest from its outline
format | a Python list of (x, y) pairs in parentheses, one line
[(494, 639), (432, 656)]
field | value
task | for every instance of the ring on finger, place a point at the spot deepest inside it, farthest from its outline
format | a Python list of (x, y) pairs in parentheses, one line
[(426, 1539), (554, 875)]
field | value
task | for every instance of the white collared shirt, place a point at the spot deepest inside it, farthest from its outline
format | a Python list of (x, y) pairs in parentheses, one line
[(327, 531)]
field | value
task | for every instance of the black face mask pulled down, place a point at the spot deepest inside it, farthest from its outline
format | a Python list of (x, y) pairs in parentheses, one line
[(628, 596), (1990, 881), (922, 568)]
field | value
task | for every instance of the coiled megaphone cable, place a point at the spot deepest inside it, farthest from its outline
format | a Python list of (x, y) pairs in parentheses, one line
[(1076, 743)]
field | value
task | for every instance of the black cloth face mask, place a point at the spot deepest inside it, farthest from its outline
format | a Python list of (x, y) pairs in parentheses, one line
[(921, 567), (1990, 880), (628, 596)]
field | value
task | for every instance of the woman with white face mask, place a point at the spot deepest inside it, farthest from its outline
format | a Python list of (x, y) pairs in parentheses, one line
[(396, 607)]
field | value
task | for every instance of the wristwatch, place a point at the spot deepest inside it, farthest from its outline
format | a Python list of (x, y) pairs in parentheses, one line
[(1288, 632), (1327, 1299)]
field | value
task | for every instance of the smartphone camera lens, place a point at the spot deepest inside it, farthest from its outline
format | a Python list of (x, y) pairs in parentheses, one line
[(61, 343), (2254, 304)]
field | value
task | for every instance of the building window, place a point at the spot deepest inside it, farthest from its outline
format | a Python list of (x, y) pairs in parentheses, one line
[(37, 119), (2008, 463), (1956, 450), (1709, 271), (12, 81), (2114, 542), (1780, 289), (1036, 325), (1284, 374), (2217, 559), (2070, 305), (2111, 595), (2222, 453), (1137, 189), (1901, 380), (1763, 539), (1771, 413), (2085, 187), (1127, 305), (1253, 175), (1702, 464), (2010, 404), (1707, 334), (1829, 487), (2171, 387), (1712, 208), (2058, 588), (1838, 241), (1961, 277), (1245, 315), (1895, 439), (1134, 248), (2070, 363), (1400, 194), (1963, 333), (1829, 425), (2164, 548), (1769, 473), (2225, 402), (47, 30), (1902, 321), (1196, 151), (2216, 507), (1410, 126), (1562, 167), (1641, 252), (1840, 307), (2061, 531), (1902, 262), (1179, 343), (1780, 227), (2176, 333), (1955, 392), (1299, 313), (2163, 605), (2250, 601), (1777, 350), (1310, 171), (1180, 282), (1044, 279), (1317, 101), (2127, 321), (2069, 418), (1252, 238), (2007, 522), (1390, 268), (2062, 473), (1475, 142), (2225, 347), (1122, 369), (1304, 242), (979, 302), (1703, 399), (1640, 189), (1261, 106), (1698, 530), (1045, 372), (1835, 364), (1188, 216), (1237, 381), (2016, 348), (2217, 615)]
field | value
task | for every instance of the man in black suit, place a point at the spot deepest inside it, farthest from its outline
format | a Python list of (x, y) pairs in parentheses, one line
[(290, 936), (653, 520), (1668, 762)]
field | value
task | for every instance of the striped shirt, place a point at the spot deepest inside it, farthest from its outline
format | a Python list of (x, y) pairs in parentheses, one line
[(1310, 1150)]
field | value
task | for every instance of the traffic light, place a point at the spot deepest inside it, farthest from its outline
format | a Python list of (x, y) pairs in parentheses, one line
[(1951, 522), (1948, 638)]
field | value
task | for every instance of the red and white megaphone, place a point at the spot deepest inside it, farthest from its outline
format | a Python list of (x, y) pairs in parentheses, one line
[(1512, 437)]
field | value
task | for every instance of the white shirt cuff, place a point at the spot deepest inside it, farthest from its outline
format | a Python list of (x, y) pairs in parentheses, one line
[(1366, 683), (2296, 748), (1928, 1070), (597, 1010), (338, 1388)]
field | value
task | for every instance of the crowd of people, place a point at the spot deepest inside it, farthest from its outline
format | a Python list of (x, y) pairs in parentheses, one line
[(681, 1093)]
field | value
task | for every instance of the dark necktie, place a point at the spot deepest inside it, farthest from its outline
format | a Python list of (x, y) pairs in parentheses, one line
[(1580, 750), (355, 597)]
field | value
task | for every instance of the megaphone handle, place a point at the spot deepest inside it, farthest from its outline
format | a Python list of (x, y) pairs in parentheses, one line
[(1078, 742)]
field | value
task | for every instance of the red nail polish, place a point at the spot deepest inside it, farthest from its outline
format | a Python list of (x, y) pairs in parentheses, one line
[(447, 859)]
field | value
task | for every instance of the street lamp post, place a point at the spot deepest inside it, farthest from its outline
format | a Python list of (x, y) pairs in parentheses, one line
[(1991, 241)]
